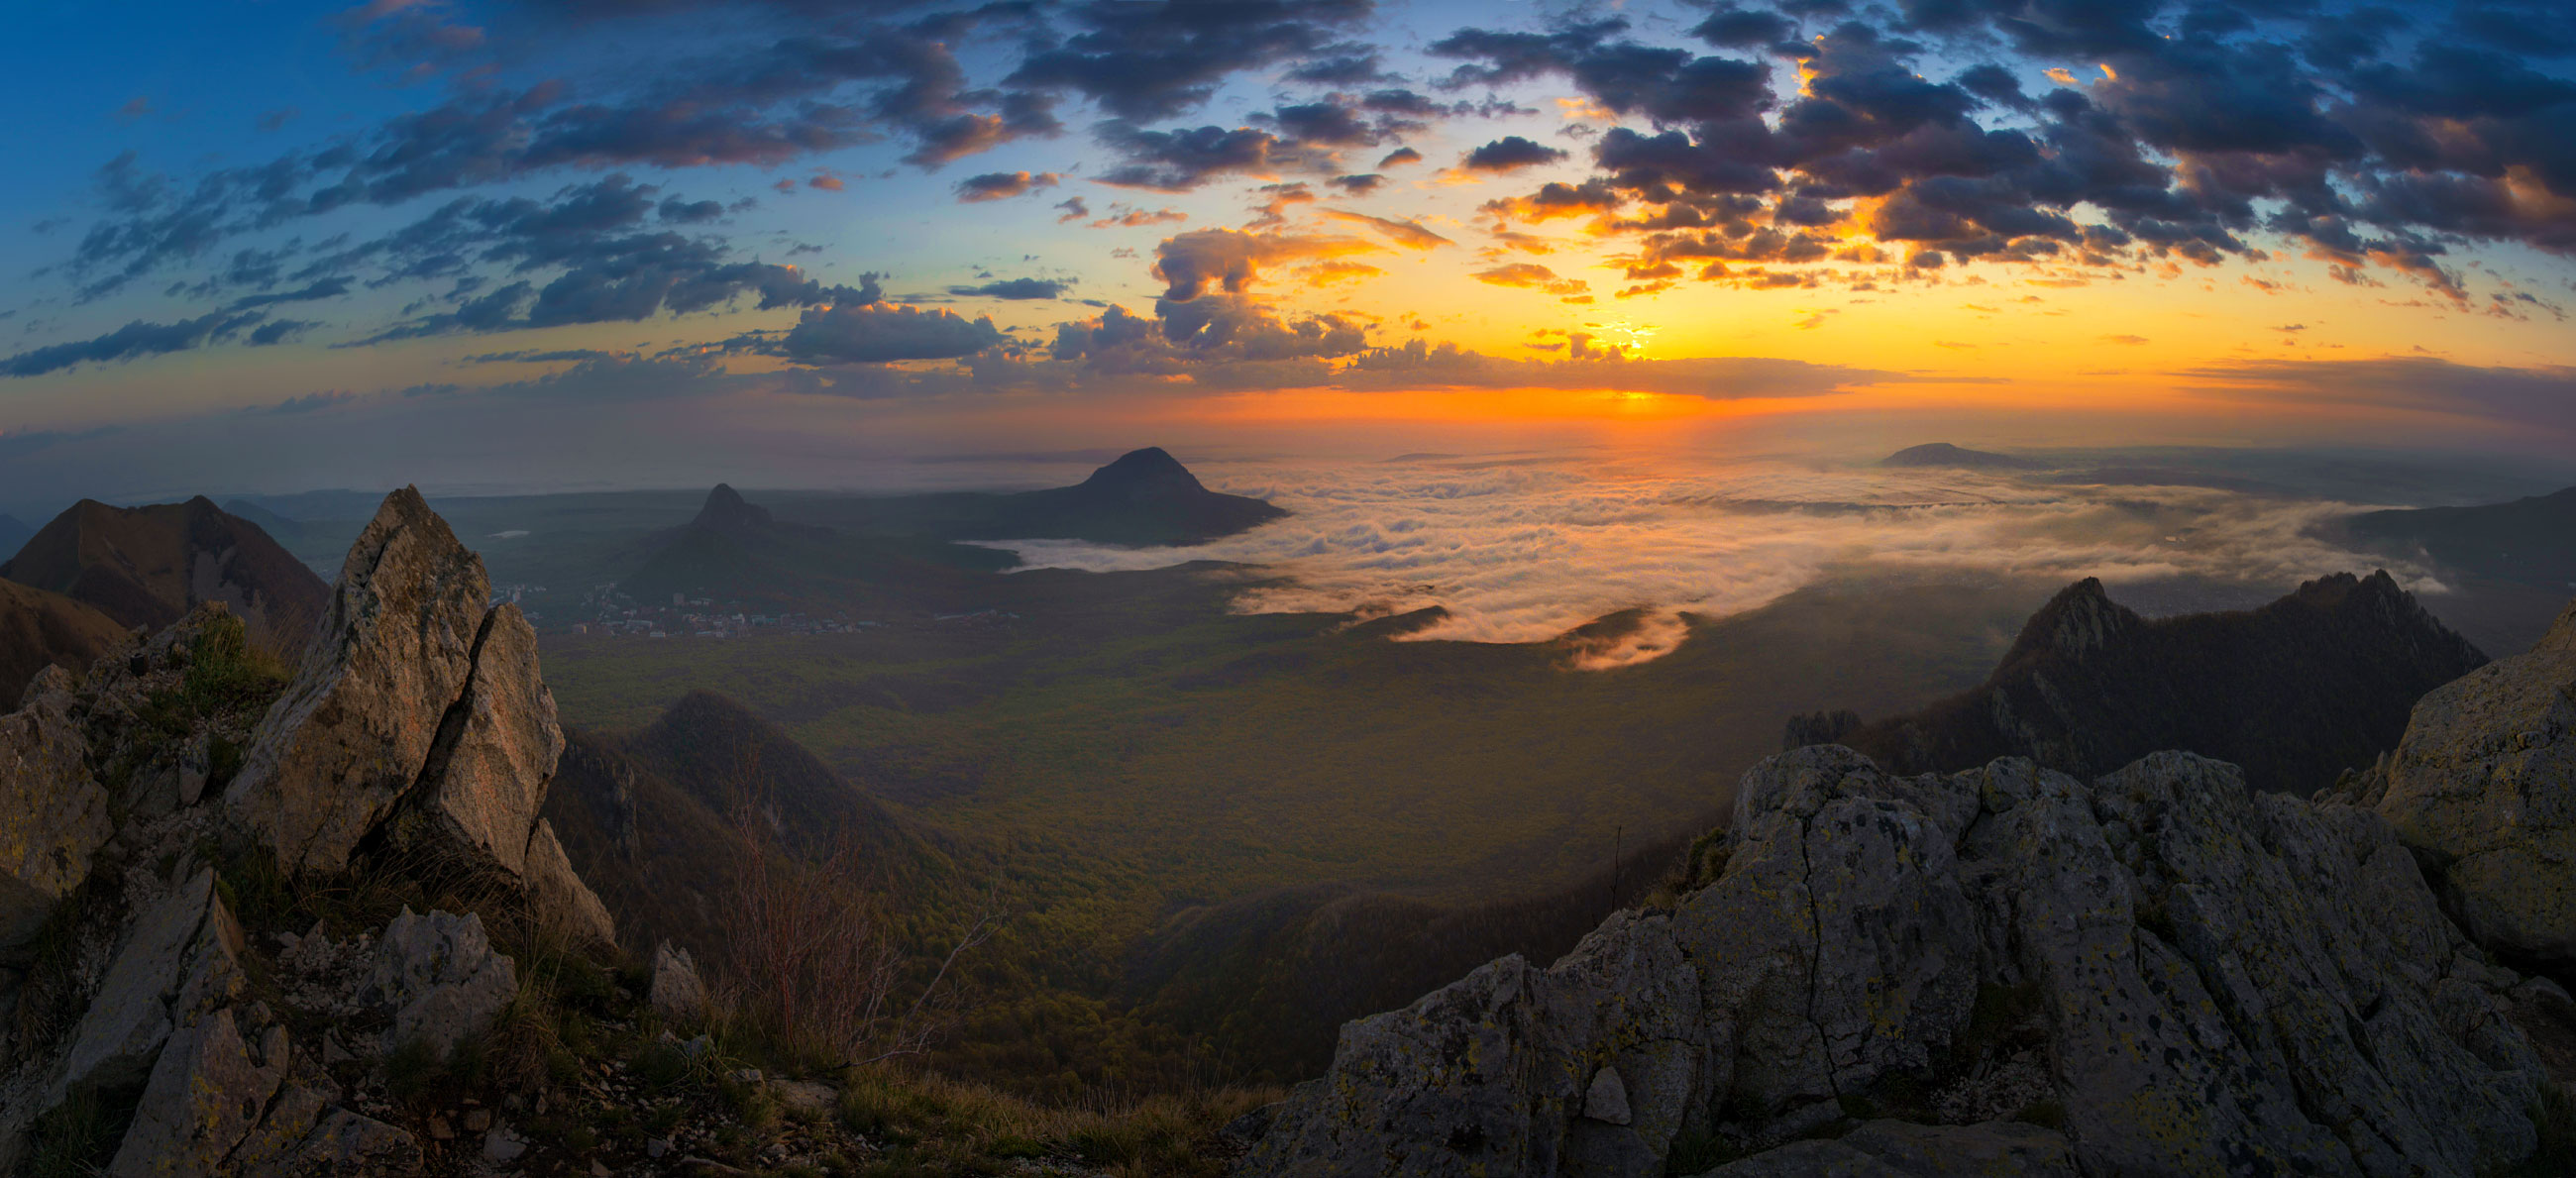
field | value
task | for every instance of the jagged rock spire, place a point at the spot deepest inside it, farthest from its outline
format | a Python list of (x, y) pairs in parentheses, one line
[(420, 719)]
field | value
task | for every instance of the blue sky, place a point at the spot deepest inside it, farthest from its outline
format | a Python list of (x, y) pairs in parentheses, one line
[(751, 233)]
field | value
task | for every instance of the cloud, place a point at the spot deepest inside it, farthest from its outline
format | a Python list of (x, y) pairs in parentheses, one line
[(1014, 288), (2539, 396), (1532, 276), (1003, 185), (1529, 549), (1398, 158), (1416, 364), (1230, 259), (878, 333), (1161, 58), (1510, 153), (135, 340), (1404, 233)]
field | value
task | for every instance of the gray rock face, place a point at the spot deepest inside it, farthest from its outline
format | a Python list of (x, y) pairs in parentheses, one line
[(488, 773), (53, 814), (558, 890), (420, 711), (182, 961), (344, 1143), (678, 993), (441, 980), (206, 1093), (2201, 979), (352, 734), (2485, 784)]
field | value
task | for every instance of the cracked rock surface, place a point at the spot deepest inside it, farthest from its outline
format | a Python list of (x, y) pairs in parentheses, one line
[(2188, 976)]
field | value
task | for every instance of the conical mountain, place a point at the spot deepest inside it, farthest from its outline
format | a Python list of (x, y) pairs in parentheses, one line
[(148, 566), (1145, 497)]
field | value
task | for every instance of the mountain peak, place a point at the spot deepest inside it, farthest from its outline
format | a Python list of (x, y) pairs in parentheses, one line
[(727, 510), (2081, 618), (1150, 473), (1945, 454)]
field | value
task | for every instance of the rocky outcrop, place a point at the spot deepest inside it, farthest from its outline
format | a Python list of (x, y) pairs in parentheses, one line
[(2186, 974), (351, 737), (440, 979), (2484, 788), (678, 993), (418, 719), (53, 813), (181, 962)]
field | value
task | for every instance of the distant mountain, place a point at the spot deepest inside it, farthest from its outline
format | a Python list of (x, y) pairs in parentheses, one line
[(279, 528), (652, 820), (2531, 540), (736, 550), (13, 533), (40, 629), (2294, 692), (2509, 566), (1945, 454), (146, 566), (1146, 497)]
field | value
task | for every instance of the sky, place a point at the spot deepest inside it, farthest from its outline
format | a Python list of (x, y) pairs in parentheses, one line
[(272, 246)]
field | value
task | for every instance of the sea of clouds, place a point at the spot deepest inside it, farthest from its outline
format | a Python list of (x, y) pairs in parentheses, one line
[(1525, 548)]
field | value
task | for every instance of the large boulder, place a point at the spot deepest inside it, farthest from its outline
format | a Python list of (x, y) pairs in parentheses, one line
[(441, 980), (2484, 787), (2188, 975), (180, 962), (393, 655), (206, 1093), (53, 813)]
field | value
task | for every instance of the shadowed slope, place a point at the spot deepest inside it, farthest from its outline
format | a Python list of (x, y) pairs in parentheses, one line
[(146, 566), (40, 629)]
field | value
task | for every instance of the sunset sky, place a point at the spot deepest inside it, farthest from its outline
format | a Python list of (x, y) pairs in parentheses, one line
[(268, 246)]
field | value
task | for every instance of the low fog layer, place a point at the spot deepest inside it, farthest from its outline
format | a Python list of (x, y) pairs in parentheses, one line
[(1524, 549)]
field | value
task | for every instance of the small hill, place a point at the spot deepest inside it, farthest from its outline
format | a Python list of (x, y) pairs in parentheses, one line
[(1146, 497), (736, 550), (13, 533), (40, 629), (653, 819), (1945, 454), (2295, 692), (147, 566)]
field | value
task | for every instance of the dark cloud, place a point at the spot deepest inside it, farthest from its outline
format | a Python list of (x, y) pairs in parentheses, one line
[(1014, 288), (132, 341), (325, 288), (1193, 262), (1003, 185), (1399, 157), (1156, 59), (1177, 161), (1510, 153), (278, 331), (877, 333)]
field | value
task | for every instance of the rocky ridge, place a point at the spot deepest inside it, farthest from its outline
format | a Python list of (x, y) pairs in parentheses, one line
[(2163, 971), (143, 802), (2483, 787)]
